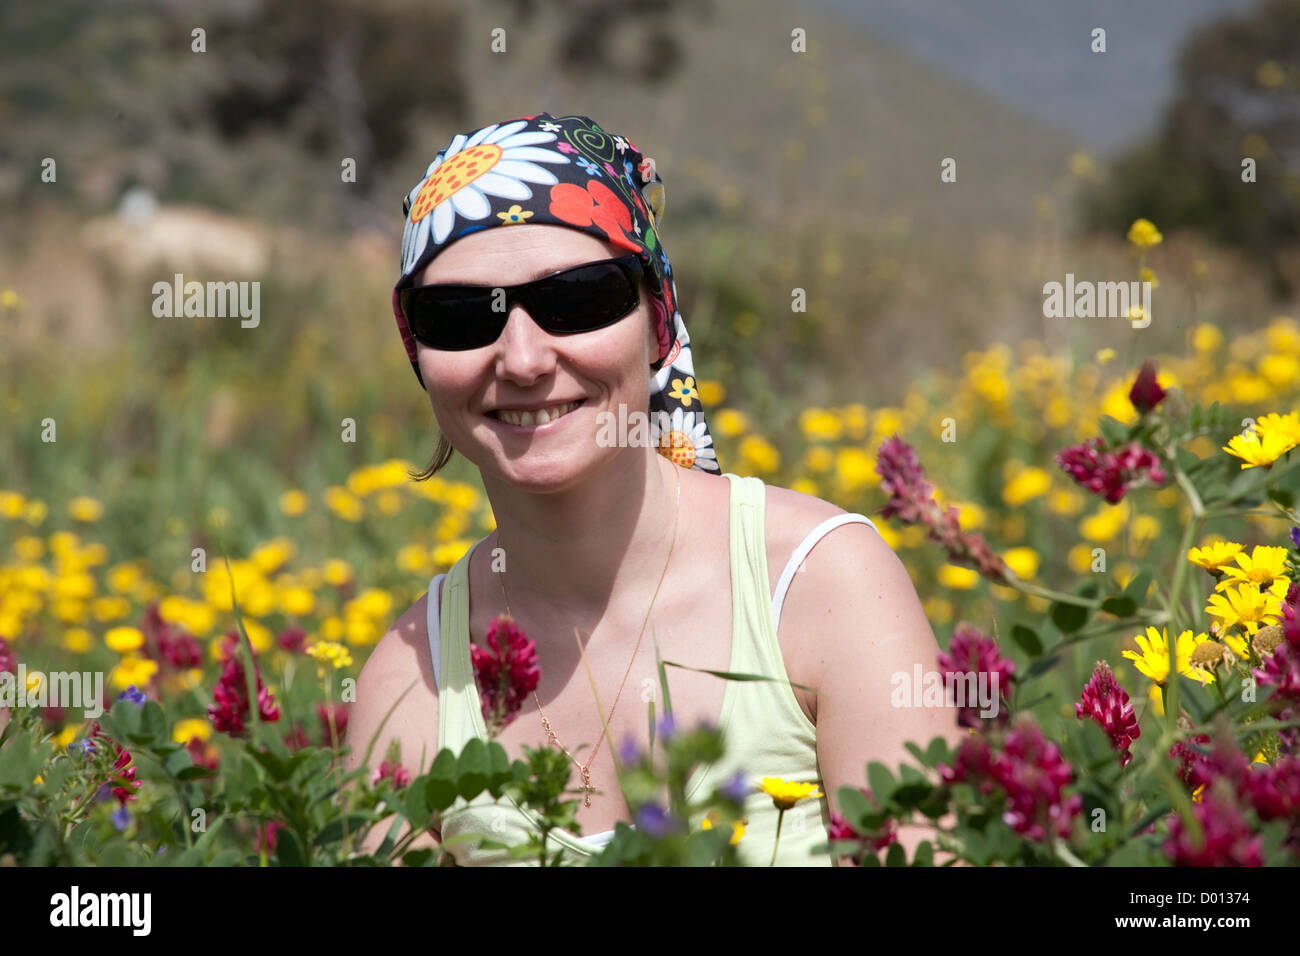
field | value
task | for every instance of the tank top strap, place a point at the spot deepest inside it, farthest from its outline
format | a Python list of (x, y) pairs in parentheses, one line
[(753, 626), (455, 725)]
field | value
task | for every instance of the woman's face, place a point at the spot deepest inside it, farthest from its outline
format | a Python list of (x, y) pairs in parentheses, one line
[(528, 368)]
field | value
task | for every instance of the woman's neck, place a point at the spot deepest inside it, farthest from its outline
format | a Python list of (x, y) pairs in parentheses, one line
[(566, 552)]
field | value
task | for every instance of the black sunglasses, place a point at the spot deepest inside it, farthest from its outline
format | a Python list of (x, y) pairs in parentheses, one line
[(591, 296)]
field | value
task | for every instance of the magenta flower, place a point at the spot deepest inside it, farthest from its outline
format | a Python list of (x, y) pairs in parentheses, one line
[(123, 765), (506, 674), (1106, 702), (1227, 839), (911, 499), (292, 639), (8, 659), (1110, 474), (1281, 671), (400, 776), (229, 709), (1146, 392), (1031, 774), (970, 652), (339, 714)]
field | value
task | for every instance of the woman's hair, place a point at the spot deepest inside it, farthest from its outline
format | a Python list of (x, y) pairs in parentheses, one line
[(443, 451)]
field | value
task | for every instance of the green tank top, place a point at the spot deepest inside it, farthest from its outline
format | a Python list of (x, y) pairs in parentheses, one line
[(768, 734)]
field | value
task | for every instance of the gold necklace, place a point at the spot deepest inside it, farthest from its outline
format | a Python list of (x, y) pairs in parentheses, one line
[(584, 769)]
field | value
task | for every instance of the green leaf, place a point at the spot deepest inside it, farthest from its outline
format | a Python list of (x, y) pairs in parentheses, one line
[(937, 752), (194, 772), (1137, 588), (881, 782), (440, 787), (924, 854), (1026, 640), (288, 848), (856, 806), (276, 767), (896, 856), (498, 768), (1068, 618), (472, 769), (1115, 432), (1121, 606)]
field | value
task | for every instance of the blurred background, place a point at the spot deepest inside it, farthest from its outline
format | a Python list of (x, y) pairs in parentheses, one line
[(129, 155)]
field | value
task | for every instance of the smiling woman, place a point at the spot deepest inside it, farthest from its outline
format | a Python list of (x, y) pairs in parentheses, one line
[(527, 339)]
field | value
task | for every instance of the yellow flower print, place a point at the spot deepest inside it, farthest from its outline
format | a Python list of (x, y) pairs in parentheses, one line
[(684, 391), (514, 215)]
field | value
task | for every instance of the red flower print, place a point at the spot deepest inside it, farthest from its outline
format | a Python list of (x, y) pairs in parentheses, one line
[(596, 205)]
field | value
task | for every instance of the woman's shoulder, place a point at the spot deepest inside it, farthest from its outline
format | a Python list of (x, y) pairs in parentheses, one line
[(402, 653), (793, 515)]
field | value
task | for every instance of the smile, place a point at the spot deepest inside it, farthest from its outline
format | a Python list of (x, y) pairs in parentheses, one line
[(543, 416)]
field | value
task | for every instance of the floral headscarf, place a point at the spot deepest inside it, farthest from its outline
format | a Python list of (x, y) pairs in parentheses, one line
[(564, 171)]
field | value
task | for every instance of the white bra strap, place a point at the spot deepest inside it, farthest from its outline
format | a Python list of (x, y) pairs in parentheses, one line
[(432, 626), (801, 552)]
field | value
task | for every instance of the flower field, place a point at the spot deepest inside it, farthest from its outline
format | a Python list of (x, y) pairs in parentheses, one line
[(1117, 543)]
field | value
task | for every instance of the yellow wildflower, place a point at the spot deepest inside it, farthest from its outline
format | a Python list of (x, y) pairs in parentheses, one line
[(293, 502), (124, 639), (85, 509), (133, 670), (1247, 606), (737, 826), (1153, 662), (185, 730), (1264, 565), (1259, 449), (329, 652), (786, 794), (1144, 234), (1027, 484), (1213, 556)]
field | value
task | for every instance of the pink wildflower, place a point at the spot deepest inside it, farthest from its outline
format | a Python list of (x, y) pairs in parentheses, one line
[(911, 499), (971, 653), (1110, 474), (507, 673), (1106, 702)]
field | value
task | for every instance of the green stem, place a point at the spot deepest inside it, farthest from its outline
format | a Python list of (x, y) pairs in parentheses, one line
[(1176, 587)]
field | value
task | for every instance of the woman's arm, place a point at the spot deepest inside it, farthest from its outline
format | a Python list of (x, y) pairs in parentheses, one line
[(861, 624)]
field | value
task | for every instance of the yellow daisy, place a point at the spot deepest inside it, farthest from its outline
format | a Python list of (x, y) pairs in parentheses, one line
[(785, 794), (1247, 606), (1262, 566), (1153, 662), (1213, 556), (1259, 449)]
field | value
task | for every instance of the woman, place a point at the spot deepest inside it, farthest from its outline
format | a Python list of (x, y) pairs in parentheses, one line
[(539, 383)]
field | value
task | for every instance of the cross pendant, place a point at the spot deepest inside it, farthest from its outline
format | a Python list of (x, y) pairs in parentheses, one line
[(586, 786)]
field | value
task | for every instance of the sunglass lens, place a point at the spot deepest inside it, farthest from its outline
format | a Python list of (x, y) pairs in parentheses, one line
[(583, 299), (453, 318)]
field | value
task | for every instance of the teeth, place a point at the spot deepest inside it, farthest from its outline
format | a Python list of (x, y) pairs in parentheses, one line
[(540, 417)]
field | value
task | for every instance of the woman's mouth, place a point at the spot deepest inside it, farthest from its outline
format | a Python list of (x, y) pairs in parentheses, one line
[(533, 420)]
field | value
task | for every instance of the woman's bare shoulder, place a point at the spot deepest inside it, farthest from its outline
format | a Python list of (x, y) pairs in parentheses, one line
[(397, 676), (404, 649), (791, 516)]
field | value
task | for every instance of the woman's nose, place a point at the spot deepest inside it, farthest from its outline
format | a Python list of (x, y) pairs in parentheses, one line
[(525, 350)]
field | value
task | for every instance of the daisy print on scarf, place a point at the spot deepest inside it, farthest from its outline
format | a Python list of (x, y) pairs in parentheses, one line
[(683, 439), (496, 161)]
